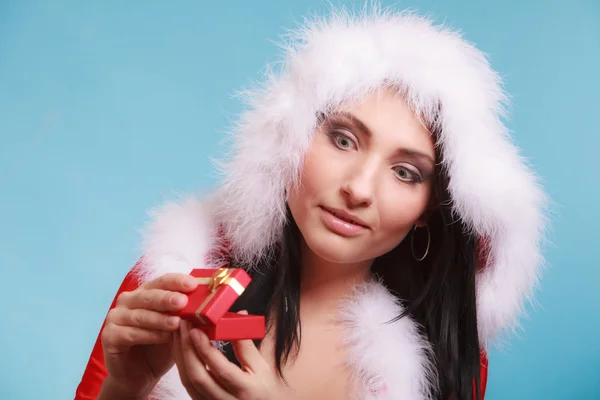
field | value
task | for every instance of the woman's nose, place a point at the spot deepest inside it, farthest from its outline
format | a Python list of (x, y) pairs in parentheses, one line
[(359, 187)]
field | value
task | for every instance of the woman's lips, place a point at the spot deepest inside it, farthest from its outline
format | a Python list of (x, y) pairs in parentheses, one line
[(340, 226)]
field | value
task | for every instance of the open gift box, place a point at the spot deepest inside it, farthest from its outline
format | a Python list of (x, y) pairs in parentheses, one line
[(208, 306)]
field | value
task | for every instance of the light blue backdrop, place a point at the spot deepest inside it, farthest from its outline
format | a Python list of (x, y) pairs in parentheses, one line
[(108, 108)]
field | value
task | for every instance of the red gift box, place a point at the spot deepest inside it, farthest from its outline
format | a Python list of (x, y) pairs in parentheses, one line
[(236, 327), (208, 305), (217, 290)]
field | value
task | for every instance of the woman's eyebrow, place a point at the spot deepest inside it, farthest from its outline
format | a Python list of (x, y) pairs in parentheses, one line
[(351, 118), (361, 126), (404, 152)]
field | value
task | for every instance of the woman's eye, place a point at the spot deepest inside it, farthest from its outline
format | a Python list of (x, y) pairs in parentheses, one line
[(342, 141), (407, 175)]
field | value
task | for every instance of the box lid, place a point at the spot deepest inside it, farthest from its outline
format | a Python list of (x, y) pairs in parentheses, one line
[(217, 290)]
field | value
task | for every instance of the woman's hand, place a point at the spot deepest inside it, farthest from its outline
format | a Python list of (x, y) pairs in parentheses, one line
[(222, 380), (138, 334)]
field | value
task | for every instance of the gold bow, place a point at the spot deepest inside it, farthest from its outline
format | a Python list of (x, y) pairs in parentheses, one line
[(219, 278)]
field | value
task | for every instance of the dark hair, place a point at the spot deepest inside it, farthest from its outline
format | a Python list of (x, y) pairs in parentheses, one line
[(438, 293)]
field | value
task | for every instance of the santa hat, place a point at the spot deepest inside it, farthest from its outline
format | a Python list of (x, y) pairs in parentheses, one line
[(446, 80)]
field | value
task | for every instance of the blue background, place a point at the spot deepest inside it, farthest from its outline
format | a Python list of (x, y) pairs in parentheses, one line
[(109, 108)]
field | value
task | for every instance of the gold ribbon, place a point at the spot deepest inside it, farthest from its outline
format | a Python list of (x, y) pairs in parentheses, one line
[(219, 278)]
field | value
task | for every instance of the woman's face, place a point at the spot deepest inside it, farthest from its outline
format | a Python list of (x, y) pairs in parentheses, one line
[(366, 180)]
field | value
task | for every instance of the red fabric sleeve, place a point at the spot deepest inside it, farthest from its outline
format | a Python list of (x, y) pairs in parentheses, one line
[(483, 373), (95, 371)]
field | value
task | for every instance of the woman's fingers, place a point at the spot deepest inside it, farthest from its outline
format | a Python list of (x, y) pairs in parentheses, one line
[(145, 319), (183, 374), (116, 337), (146, 315), (248, 355), (195, 368), (165, 294), (153, 299), (173, 282), (224, 371)]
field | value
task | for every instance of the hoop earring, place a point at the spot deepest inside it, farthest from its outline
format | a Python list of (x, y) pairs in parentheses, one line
[(412, 244)]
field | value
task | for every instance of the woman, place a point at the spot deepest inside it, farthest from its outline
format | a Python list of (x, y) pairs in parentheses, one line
[(390, 226)]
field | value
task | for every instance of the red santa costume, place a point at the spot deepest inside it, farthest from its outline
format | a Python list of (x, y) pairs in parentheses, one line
[(493, 191)]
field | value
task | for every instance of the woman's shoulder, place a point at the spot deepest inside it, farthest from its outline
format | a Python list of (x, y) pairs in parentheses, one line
[(180, 235)]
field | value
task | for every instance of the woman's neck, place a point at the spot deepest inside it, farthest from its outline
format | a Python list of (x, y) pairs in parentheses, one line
[(323, 283)]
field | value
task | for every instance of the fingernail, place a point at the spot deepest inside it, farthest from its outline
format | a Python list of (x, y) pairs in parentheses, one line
[(173, 321), (195, 334), (243, 312), (189, 283), (178, 300)]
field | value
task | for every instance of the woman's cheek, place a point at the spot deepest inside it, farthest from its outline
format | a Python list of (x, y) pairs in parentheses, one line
[(323, 171), (398, 217)]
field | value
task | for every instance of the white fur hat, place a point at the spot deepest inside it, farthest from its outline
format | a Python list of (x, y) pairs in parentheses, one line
[(345, 56)]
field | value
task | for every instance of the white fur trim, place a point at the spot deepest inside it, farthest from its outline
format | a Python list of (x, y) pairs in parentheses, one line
[(170, 387), (178, 238), (346, 56), (389, 361)]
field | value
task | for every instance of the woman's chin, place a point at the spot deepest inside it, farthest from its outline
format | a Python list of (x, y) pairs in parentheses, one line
[(337, 249)]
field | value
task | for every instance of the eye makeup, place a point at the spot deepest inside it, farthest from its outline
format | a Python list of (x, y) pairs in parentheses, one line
[(409, 166)]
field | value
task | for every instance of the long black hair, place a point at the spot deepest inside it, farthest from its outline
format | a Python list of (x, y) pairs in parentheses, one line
[(437, 292)]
